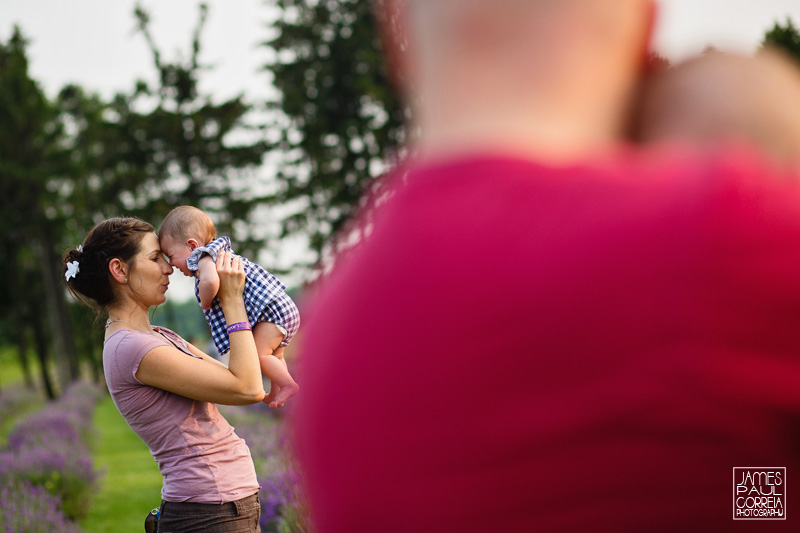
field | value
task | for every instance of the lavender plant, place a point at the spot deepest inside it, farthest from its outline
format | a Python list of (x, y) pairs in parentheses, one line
[(283, 508), (13, 400), (49, 450), (65, 473), (15, 396), (32, 509)]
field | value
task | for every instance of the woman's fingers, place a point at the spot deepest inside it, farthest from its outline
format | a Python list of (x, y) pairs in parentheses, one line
[(231, 273), (222, 260), (227, 260)]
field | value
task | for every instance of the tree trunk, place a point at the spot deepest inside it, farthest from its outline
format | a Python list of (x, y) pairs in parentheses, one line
[(95, 362), (22, 302), (63, 342), (22, 349), (40, 341)]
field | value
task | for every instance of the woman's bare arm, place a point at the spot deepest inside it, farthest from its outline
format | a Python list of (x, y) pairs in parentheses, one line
[(204, 379)]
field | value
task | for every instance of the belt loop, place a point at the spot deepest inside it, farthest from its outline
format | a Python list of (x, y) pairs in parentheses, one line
[(238, 504)]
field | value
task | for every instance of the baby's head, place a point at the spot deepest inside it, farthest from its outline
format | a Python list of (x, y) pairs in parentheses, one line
[(184, 229), (720, 97)]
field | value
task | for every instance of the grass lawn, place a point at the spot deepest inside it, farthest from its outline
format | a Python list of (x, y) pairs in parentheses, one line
[(130, 483), (11, 382), (10, 369)]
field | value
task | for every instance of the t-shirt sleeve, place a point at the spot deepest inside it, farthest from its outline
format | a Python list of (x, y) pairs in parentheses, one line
[(177, 341), (127, 354), (212, 249)]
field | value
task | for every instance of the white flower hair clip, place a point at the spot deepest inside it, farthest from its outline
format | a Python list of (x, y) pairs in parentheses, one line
[(79, 247), (72, 270)]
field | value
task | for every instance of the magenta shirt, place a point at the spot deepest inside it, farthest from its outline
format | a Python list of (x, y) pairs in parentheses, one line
[(199, 455), (603, 344)]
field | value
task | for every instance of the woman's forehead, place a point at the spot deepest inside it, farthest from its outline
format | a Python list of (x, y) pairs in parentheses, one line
[(150, 243)]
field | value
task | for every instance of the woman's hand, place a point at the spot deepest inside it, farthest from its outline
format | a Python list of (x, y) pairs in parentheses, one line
[(231, 277)]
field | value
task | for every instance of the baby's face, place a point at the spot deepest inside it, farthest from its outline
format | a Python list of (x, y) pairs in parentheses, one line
[(177, 253)]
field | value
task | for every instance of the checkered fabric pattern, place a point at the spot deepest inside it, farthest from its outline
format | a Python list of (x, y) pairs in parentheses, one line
[(265, 298)]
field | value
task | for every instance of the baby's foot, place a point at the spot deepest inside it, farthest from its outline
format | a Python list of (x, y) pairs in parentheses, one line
[(282, 394), (270, 395)]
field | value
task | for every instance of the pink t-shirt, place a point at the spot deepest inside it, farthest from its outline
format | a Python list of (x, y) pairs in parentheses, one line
[(199, 455), (601, 345)]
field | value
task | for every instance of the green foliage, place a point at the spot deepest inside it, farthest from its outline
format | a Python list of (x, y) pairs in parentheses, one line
[(784, 37), (24, 145), (28, 141), (161, 146), (31, 228), (65, 164), (73, 491), (338, 119), (185, 318)]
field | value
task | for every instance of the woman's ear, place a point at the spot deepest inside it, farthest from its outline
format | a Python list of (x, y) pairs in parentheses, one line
[(118, 270)]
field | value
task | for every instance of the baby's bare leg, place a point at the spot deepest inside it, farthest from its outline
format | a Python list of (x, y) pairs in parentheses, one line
[(278, 352), (270, 355)]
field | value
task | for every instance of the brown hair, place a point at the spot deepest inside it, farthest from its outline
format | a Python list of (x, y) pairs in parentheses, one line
[(185, 222), (112, 238)]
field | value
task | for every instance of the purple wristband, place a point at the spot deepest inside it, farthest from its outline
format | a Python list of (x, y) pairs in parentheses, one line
[(238, 326)]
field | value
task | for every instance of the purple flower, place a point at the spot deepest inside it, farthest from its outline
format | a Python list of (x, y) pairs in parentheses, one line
[(48, 450), (26, 507), (282, 498)]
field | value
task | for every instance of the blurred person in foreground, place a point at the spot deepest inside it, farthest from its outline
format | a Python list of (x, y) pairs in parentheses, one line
[(165, 388), (605, 330)]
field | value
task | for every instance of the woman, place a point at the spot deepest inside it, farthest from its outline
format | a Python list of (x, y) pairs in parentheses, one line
[(164, 387)]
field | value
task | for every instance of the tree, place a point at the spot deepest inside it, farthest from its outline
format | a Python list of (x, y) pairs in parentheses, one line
[(30, 228), (337, 120), (163, 145), (152, 148), (68, 163), (785, 38)]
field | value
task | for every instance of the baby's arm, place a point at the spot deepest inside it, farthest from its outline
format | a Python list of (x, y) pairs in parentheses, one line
[(208, 281)]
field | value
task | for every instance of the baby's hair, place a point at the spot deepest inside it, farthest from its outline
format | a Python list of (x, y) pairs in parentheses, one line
[(187, 222), (89, 281)]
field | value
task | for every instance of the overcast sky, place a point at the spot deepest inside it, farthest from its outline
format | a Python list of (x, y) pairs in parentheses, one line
[(685, 27), (94, 43)]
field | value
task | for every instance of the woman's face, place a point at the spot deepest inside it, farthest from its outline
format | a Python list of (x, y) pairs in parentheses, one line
[(149, 276)]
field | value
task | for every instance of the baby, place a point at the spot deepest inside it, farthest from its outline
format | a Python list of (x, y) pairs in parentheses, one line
[(188, 238), (720, 97)]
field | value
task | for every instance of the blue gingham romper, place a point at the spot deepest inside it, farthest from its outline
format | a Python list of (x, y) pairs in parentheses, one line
[(265, 298)]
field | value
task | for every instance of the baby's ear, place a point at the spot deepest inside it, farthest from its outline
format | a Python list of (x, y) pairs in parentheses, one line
[(193, 244)]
